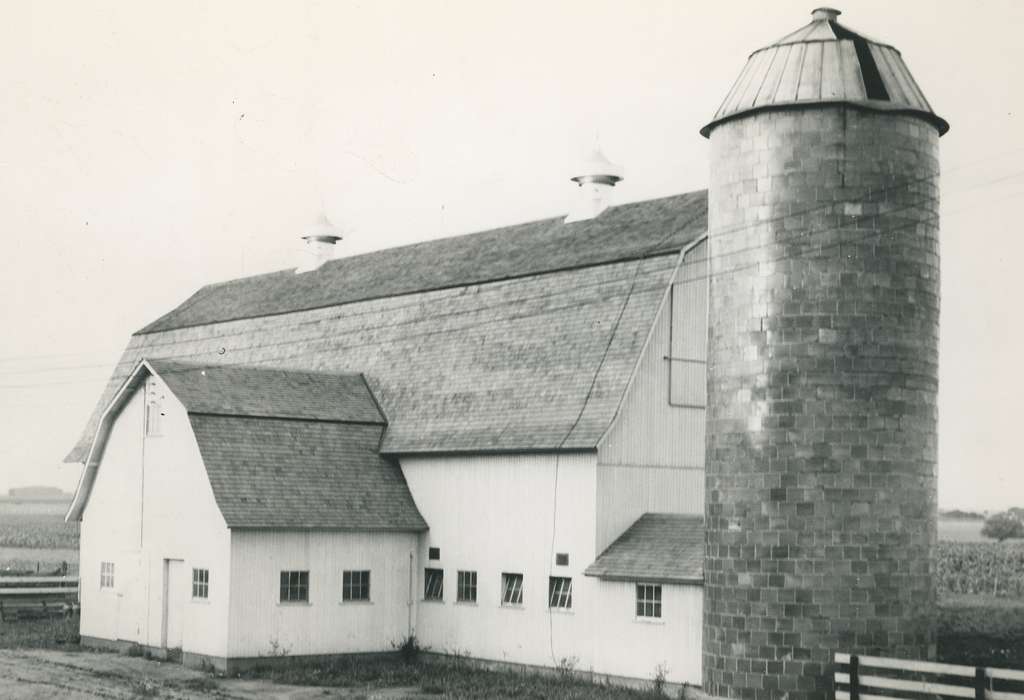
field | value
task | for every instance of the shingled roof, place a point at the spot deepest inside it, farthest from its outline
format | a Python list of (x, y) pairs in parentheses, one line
[(626, 232), (281, 449), (658, 547), (518, 339), (261, 391)]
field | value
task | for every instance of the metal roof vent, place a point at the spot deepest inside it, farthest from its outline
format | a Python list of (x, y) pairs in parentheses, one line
[(826, 63), (319, 245), (597, 177)]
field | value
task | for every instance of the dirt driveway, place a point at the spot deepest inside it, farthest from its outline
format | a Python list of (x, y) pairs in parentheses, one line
[(80, 675)]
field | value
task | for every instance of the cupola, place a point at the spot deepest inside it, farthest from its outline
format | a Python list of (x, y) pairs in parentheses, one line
[(318, 248), (597, 176)]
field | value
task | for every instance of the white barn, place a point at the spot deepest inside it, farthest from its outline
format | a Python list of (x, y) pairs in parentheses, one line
[(493, 443)]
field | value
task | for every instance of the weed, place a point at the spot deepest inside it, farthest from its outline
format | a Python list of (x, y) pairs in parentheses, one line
[(409, 649), (277, 649), (566, 666), (658, 679), (135, 650)]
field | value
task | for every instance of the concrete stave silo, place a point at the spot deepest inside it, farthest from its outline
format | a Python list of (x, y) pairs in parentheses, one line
[(822, 365)]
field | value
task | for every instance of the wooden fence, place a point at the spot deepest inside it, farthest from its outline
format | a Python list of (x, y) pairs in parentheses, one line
[(37, 596), (880, 678)]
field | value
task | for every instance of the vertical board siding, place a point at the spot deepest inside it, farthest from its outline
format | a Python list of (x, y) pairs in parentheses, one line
[(260, 623), (629, 646), (626, 492), (134, 519), (652, 458), (506, 513)]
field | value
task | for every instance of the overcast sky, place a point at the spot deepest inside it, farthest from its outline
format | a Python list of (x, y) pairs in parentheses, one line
[(149, 148)]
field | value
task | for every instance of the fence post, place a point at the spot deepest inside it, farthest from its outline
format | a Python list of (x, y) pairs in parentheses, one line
[(854, 680), (979, 683)]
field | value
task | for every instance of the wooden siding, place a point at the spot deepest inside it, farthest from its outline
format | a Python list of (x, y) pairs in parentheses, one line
[(324, 625), (134, 519), (625, 645), (495, 514), (652, 458)]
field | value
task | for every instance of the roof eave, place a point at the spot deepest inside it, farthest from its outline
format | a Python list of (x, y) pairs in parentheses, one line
[(645, 578), (941, 125)]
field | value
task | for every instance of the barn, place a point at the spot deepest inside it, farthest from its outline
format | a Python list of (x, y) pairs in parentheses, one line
[(529, 445), (492, 442)]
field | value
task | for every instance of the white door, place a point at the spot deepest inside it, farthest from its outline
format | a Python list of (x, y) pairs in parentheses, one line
[(175, 595)]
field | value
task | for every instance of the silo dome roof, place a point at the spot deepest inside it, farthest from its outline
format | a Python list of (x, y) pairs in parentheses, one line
[(825, 63)]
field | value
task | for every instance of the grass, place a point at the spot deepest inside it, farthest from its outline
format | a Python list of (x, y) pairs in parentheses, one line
[(53, 633), (452, 680), (981, 630)]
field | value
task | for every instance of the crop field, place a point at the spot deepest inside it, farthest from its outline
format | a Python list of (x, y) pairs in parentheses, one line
[(33, 534), (986, 568)]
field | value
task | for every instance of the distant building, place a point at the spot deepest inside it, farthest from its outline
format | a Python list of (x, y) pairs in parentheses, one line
[(38, 493), (496, 442)]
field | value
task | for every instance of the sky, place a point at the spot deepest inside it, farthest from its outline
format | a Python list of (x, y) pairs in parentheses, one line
[(148, 148)]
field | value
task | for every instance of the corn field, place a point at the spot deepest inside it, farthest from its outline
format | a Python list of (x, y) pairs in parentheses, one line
[(988, 568)]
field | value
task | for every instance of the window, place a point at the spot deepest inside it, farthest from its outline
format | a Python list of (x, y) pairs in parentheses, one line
[(433, 584), (648, 600), (561, 559), (200, 583), (466, 587), (434, 553), (560, 592), (355, 585), (106, 574), (294, 586), (512, 589)]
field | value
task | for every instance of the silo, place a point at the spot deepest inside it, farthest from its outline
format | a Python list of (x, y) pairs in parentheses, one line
[(822, 365)]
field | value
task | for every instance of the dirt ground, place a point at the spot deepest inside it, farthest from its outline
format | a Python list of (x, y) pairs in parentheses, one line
[(45, 674)]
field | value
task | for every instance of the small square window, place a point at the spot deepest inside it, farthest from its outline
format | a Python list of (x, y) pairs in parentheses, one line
[(433, 584), (355, 585), (648, 600), (561, 559), (466, 587), (200, 583), (106, 574), (294, 586), (560, 592), (512, 589), (434, 554)]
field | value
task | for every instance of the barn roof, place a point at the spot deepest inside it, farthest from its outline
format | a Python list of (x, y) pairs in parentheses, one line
[(273, 462), (518, 339), (261, 391), (658, 547), (275, 473), (625, 232)]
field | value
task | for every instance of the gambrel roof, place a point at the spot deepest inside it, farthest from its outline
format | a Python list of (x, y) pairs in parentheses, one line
[(281, 449), (517, 339)]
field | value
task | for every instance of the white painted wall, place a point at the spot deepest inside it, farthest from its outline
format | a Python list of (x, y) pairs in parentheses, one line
[(152, 501), (651, 460), (324, 625), (494, 514), (625, 645)]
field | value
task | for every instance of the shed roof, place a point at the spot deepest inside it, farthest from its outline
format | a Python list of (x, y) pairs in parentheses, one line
[(825, 62), (518, 339), (666, 547)]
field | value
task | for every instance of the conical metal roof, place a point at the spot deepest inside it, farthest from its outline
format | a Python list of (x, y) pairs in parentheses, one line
[(825, 63)]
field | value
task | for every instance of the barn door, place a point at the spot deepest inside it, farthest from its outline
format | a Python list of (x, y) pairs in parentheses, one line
[(174, 607)]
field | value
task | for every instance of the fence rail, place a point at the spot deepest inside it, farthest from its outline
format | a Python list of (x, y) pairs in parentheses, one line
[(882, 678), (23, 597)]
